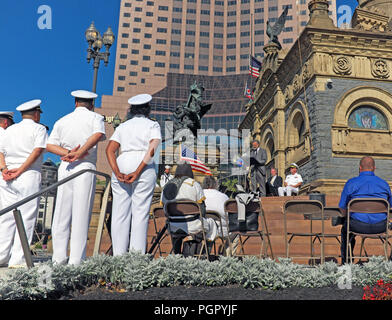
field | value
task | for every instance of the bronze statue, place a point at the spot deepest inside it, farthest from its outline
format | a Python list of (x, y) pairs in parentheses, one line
[(188, 115), (276, 29)]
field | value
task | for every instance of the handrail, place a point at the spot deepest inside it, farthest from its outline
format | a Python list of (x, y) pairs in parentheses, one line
[(53, 186), (19, 221)]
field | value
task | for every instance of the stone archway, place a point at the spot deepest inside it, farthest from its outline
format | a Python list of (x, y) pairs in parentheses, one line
[(297, 135)]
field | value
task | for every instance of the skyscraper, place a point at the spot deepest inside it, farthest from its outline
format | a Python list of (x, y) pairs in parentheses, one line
[(200, 38), (206, 37)]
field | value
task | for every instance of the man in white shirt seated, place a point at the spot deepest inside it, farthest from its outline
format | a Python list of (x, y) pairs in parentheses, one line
[(292, 182), (215, 201)]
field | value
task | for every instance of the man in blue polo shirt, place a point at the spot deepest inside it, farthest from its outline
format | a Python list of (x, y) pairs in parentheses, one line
[(366, 185)]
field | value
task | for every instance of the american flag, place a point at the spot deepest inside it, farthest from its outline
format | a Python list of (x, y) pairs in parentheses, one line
[(247, 92), (191, 157), (254, 66)]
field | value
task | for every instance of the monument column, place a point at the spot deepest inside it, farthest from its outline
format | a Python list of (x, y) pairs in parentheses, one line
[(319, 16)]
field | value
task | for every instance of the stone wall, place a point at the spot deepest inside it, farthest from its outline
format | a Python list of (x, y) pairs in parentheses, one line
[(321, 107)]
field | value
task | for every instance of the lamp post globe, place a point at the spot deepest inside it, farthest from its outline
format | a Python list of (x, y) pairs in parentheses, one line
[(91, 33), (95, 43), (108, 37)]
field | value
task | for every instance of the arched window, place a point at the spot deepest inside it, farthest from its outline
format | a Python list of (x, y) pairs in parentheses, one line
[(366, 117), (301, 131), (270, 148), (298, 128)]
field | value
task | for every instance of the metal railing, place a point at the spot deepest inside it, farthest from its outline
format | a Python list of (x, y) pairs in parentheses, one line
[(19, 220)]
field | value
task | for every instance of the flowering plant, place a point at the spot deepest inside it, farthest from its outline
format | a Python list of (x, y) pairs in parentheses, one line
[(381, 291)]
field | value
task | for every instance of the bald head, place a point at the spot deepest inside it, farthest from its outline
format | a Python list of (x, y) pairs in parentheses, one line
[(367, 164)]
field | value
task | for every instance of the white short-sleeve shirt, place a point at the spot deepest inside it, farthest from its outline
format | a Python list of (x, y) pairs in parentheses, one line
[(215, 201), (19, 141), (293, 179), (75, 128), (135, 134), (2, 132)]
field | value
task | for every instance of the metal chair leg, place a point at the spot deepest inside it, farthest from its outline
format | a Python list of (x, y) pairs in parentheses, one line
[(23, 238)]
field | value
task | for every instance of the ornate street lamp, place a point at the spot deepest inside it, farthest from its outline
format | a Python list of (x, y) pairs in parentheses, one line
[(95, 43)]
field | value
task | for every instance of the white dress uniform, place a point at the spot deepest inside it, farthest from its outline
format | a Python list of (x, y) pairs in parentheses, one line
[(10, 115), (165, 178), (131, 202), (17, 143), (291, 180), (75, 198)]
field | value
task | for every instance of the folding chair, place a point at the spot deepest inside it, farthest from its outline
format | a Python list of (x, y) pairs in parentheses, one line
[(218, 220), (160, 234), (369, 206), (231, 208), (330, 213), (311, 210), (178, 211)]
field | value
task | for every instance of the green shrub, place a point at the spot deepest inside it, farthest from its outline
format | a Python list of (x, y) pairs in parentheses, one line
[(135, 271)]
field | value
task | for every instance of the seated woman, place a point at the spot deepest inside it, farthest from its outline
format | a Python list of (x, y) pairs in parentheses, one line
[(184, 187)]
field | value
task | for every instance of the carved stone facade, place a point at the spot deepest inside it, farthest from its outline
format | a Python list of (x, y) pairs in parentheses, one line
[(327, 102)]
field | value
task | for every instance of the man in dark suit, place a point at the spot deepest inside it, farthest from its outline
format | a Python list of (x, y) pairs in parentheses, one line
[(258, 158), (273, 183)]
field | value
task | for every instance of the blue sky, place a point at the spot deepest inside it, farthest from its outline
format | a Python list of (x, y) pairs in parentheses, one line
[(49, 64)]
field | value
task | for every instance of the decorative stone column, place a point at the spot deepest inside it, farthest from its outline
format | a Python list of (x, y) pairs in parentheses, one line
[(319, 14), (271, 58)]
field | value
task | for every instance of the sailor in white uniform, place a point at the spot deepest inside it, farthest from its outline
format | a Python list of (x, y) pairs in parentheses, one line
[(21, 151), (165, 177), (6, 120), (134, 176), (75, 137), (292, 182)]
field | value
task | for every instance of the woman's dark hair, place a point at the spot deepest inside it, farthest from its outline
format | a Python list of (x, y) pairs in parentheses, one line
[(184, 170), (143, 109), (209, 182)]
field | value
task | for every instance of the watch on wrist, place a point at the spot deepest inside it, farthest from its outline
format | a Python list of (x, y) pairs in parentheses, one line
[(3, 168)]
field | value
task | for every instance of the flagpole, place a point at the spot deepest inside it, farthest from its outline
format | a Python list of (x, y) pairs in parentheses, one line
[(251, 34)]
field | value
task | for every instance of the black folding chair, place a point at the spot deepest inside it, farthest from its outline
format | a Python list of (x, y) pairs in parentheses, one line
[(369, 206), (231, 208)]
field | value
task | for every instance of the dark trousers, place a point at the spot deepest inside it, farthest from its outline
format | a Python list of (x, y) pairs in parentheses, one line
[(360, 227), (257, 182)]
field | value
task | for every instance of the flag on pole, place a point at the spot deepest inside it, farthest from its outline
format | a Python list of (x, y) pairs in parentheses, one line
[(254, 66), (191, 157), (247, 92)]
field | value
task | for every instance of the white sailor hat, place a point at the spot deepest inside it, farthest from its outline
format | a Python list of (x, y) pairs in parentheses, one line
[(8, 114), (83, 94), (167, 167), (293, 165), (30, 105), (140, 99)]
